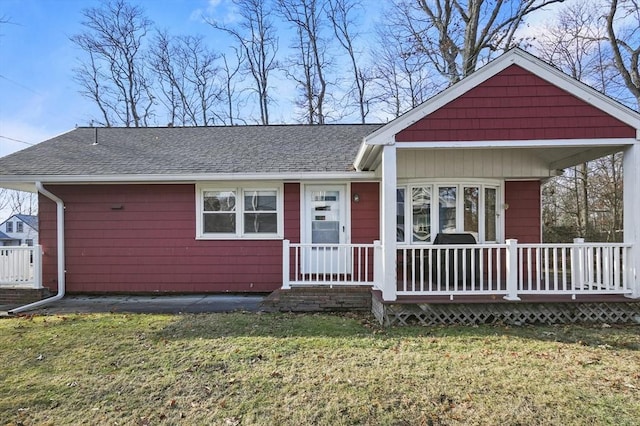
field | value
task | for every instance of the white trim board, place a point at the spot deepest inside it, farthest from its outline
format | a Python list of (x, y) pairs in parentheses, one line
[(535, 143), (186, 178)]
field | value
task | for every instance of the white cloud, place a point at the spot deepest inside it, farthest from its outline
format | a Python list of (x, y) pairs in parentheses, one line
[(537, 23), (222, 11)]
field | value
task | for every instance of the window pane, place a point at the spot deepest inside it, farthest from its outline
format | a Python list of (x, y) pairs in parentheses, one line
[(421, 209), (220, 223), (400, 215), (260, 201), (471, 203), (260, 223), (216, 201), (447, 209), (325, 232), (490, 216)]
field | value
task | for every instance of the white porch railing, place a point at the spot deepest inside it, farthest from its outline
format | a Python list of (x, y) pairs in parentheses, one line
[(330, 264), (508, 270), (21, 266), (514, 269), (452, 269), (579, 268)]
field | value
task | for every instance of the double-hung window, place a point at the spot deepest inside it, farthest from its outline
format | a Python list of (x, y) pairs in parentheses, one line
[(426, 209), (240, 211)]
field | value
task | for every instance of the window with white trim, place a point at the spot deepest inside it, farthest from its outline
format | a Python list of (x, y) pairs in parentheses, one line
[(19, 227), (243, 211), (426, 209), (9, 227)]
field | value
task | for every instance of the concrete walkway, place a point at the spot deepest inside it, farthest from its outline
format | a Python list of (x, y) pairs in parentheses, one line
[(196, 303)]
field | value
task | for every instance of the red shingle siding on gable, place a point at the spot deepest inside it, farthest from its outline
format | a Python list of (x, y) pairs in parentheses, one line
[(522, 218), (365, 215), (515, 105), (149, 245)]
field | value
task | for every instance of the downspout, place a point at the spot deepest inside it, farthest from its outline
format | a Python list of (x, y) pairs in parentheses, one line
[(60, 238)]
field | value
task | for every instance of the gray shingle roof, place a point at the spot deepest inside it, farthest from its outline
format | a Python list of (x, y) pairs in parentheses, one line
[(30, 220), (192, 150)]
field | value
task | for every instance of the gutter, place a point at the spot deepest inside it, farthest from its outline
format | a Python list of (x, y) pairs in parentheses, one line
[(61, 257), (7, 180)]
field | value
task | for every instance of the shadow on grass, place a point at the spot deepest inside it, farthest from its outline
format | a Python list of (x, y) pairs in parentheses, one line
[(361, 326)]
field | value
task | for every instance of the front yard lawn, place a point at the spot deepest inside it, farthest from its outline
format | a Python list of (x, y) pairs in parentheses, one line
[(285, 369)]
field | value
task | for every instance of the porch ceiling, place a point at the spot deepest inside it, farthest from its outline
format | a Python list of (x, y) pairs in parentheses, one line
[(554, 157), (563, 157)]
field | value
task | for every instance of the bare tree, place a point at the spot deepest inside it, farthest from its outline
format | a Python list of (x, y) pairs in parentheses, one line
[(402, 78), (309, 66), (454, 35), (115, 76), (256, 35), (18, 202), (340, 13), (233, 102), (625, 42), (587, 199), (187, 72), (572, 43)]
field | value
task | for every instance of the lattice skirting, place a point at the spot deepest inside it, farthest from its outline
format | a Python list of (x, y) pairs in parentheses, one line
[(494, 313)]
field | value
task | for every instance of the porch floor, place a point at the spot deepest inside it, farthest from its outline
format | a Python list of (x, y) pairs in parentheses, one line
[(524, 298)]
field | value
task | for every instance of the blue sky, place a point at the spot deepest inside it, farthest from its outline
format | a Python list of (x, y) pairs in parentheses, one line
[(38, 97)]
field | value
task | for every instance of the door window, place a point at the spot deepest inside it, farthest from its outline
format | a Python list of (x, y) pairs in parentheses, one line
[(325, 217)]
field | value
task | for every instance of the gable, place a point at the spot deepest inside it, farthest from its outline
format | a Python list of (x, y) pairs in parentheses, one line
[(515, 104)]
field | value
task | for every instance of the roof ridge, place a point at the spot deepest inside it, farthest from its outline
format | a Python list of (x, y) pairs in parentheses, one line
[(235, 126)]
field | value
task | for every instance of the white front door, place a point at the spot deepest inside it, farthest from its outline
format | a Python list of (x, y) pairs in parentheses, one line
[(325, 224)]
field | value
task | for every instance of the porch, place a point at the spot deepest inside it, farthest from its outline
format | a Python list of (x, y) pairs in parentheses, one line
[(468, 273)]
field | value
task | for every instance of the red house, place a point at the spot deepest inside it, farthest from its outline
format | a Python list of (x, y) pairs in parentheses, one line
[(436, 210)]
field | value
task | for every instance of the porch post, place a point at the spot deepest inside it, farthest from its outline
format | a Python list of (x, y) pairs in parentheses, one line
[(377, 265), (631, 205), (37, 266), (512, 270), (578, 266), (388, 222), (285, 265)]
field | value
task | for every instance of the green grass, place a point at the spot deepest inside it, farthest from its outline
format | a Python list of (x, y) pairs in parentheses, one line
[(281, 369)]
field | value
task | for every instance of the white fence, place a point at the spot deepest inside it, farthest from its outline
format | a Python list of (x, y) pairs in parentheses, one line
[(330, 264), (21, 266)]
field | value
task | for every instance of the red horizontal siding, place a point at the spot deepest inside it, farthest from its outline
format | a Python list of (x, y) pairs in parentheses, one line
[(292, 212), (365, 214), (149, 244), (522, 218), (515, 105), (365, 222)]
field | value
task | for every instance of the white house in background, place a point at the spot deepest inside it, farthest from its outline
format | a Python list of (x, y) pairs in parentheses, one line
[(18, 230)]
